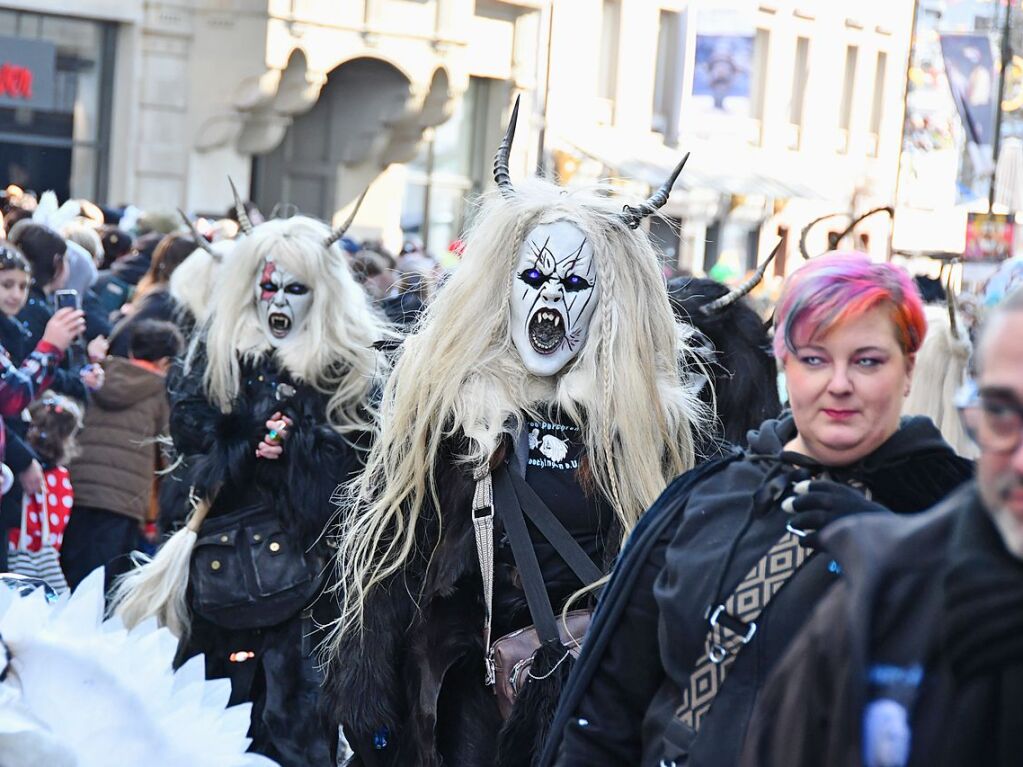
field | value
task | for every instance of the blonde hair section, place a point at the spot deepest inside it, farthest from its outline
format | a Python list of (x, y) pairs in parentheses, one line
[(459, 374), (332, 351), (192, 283)]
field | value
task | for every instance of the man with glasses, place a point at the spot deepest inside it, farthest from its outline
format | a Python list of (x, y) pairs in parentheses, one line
[(916, 656)]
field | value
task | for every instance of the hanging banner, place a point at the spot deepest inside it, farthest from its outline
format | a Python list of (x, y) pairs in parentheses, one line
[(723, 39), (970, 68), (988, 237)]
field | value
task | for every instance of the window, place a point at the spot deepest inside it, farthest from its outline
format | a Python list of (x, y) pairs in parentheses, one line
[(759, 89), (800, 74), (877, 108), (667, 80), (607, 67), (447, 173), (848, 87), (67, 148)]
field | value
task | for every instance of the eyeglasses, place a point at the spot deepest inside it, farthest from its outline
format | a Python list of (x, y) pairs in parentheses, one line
[(992, 418)]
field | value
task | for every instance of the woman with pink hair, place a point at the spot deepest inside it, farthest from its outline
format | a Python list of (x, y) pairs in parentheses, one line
[(722, 571)]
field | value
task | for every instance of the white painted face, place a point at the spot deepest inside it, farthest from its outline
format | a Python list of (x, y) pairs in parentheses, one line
[(554, 295), (283, 302)]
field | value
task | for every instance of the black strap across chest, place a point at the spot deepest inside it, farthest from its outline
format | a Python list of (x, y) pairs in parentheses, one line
[(514, 500)]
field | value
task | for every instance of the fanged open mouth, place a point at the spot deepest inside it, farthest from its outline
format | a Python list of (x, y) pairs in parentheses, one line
[(546, 330), (280, 325)]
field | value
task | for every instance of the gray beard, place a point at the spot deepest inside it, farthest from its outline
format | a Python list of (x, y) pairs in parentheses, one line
[(1010, 529)]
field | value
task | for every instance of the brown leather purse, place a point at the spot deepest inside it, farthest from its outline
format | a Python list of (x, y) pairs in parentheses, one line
[(509, 659)]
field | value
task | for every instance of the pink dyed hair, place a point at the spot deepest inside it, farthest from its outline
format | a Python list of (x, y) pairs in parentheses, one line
[(838, 287)]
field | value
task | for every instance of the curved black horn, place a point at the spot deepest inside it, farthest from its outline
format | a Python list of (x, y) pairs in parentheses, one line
[(844, 233), (501, 174), (201, 241), (951, 302), (806, 230), (338, 233), (239, 208), (734, 295), (856, 221), (631, 215)]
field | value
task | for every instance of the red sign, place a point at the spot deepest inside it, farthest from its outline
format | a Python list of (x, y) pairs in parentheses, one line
[(989, 237), (15, 81)]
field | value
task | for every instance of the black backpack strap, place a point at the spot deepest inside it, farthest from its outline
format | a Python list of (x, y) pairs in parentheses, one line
[(732, 624), (550, 527), (506, 503)]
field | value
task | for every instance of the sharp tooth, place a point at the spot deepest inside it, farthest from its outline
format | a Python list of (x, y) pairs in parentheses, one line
[(557, 320)]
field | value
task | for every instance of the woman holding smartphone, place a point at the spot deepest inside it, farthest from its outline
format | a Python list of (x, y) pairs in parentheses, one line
[(45, 251)]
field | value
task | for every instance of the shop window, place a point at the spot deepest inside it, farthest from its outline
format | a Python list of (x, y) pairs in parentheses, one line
[(66, 147), (447, 173)]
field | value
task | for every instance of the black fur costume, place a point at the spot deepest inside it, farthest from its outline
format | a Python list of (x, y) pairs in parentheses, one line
[(219, 450), (411, 691), (742, 366)]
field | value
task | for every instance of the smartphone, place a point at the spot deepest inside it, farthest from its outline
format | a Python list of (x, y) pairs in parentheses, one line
[(67, 299)]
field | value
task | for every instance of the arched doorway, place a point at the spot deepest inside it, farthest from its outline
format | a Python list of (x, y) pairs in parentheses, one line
[(345, 127)]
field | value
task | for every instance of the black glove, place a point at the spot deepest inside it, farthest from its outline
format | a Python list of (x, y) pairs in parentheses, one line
[(820, 502)]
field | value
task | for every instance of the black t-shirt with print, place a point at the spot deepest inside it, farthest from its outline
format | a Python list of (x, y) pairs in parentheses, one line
[(555, 453)]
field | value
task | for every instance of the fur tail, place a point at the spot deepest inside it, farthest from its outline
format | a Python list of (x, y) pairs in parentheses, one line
[(158, 588), (521, 740)]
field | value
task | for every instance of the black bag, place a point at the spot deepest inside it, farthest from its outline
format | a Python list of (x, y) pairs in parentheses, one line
[(247, 572)]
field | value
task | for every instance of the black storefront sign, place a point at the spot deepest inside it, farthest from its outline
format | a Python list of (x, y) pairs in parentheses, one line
[(28, 73)]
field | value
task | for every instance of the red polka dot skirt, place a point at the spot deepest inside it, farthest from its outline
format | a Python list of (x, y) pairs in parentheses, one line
[(56, 501)]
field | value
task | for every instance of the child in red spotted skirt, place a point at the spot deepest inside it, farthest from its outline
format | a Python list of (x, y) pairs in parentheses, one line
[(55, 422)]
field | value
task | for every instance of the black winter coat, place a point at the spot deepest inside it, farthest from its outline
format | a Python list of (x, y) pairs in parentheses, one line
[(411, 690), (158, 304), (219, 449), (885, 671), (651, 623), (26, 330)]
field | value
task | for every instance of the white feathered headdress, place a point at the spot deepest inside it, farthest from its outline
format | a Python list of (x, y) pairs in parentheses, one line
[(80, 691), (48, 213)]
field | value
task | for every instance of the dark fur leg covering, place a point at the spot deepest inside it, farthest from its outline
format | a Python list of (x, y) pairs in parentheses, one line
[(521, 740)]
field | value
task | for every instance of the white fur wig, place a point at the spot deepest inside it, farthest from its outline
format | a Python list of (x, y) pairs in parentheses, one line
[(941, 366), (333, 349), (459, 374), (78, 691), (192, 283)]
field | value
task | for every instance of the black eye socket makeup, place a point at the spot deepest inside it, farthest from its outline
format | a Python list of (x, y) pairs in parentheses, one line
[(533, 277), (574, 282)]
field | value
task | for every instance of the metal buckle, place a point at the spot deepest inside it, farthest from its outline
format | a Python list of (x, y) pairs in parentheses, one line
[(750, 632), (717, 653)]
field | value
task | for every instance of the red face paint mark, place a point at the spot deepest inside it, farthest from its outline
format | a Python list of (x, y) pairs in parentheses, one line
[(266, 278)]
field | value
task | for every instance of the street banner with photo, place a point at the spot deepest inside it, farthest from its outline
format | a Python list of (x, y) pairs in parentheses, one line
[(989, 237), (723, 39), (721, 78), (970, 67)]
